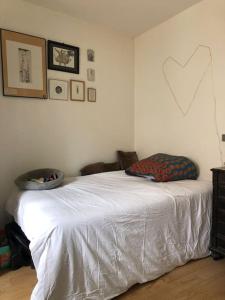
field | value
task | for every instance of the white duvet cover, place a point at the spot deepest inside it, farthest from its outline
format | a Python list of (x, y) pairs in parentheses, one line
[(98, 235)]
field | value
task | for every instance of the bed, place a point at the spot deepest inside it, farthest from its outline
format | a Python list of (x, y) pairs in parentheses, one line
[(98, 235)]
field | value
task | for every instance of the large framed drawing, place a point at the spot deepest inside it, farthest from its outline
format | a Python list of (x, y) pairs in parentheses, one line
[(24, 69), (62, 57)]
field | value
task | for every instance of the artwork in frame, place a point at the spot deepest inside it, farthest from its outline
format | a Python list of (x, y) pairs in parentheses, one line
[(91, 95), (90, 55), (62, 57), (58, 89), (77, 90), (24, 68), (90, 74)]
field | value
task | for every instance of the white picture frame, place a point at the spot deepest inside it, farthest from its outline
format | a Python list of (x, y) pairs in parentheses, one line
[(90, 74), (77, 90), (58, 89)]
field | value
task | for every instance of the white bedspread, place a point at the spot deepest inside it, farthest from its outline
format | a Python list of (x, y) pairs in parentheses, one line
[(98, 235)]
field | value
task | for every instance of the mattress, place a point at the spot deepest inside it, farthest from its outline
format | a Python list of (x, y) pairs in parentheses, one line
[(98, 235)]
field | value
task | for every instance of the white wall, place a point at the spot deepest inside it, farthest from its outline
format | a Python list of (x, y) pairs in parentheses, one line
[(159, 124), (66, 135)]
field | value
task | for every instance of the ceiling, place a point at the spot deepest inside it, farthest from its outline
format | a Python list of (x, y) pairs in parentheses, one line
[(131, 17)]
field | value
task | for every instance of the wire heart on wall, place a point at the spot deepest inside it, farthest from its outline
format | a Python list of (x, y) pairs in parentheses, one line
[(208, 67), (184, 90)]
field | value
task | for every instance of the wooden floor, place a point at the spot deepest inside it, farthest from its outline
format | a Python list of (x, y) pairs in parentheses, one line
[(200, 280)]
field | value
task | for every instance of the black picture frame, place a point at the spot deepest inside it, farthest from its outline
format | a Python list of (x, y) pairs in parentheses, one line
[(68, 48)]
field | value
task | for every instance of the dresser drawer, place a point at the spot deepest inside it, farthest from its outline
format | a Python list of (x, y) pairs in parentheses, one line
[(220, 241), (221, 228), (220, 203), (217, 245), (221, 179), (221, 214), (221, 194)]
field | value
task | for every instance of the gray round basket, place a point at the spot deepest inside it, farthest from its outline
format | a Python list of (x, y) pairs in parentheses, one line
[(24, 182)]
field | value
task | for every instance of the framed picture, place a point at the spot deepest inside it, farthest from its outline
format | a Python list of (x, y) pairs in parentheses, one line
[(91, 95), (62, 57), (58, 89), (23, 65), (90, 55), (77, 90), (91, 74)]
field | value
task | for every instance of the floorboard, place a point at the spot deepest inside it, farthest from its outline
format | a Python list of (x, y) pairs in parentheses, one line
[(199, 280)]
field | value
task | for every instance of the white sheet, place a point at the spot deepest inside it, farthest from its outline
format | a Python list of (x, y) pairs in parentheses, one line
[(98, 235)]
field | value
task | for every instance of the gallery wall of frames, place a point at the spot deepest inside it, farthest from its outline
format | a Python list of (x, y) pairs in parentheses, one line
[(25, 60)]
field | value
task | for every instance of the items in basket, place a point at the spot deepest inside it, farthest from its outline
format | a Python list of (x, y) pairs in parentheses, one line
[(51, 177)]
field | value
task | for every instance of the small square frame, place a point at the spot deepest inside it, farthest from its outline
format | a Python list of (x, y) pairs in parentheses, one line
[(91, 95), (53, 95), (90, 55), (90, 74)]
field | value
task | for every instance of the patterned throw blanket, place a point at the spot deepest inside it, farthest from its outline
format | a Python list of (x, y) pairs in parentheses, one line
[(163, 167)]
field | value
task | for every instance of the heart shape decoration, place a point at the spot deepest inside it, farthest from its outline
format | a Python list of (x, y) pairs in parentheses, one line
[(184, 79)]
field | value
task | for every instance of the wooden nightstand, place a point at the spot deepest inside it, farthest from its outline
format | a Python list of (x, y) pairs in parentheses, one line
[(217, 243)]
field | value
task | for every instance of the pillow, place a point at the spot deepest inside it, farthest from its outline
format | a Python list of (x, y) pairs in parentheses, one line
[(99, 168), (126, 159), (92, 169), (109, 167), (164, 167)]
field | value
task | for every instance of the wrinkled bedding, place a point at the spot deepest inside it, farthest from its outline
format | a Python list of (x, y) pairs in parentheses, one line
[(98, 235)]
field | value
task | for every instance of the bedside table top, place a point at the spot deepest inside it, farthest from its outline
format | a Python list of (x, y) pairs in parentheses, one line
[(219, 169)]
